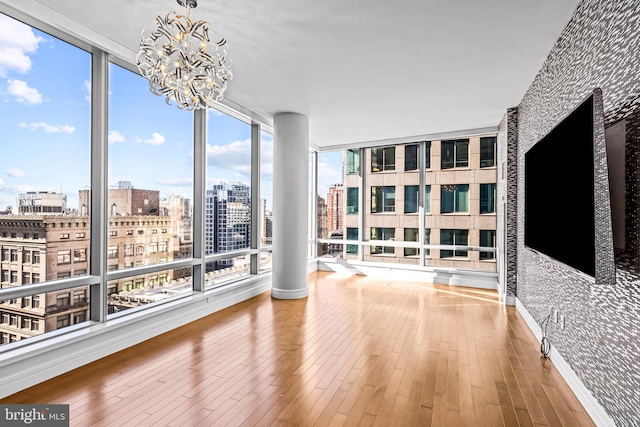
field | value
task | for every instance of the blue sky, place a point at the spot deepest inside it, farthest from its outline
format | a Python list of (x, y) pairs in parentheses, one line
[(45, 120)]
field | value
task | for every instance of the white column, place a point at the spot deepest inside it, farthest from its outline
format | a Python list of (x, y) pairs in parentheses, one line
[(290, 205)]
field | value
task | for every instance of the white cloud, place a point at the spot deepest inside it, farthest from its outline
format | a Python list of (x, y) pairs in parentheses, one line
[(48, 128), (1, 183), (115, 136), (16, 41), (178, 182), (234, 156), (15, 172), (325, 170), (156, 139), (16, 189), (23, 93)]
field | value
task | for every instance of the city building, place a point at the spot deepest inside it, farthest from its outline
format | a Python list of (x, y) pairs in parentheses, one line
[(228, 216), (440, 311), (335, 208), (456, 206), (42, 203), (125, 200)]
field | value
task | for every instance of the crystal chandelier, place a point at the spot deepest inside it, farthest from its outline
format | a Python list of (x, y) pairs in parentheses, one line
[(181, 62)]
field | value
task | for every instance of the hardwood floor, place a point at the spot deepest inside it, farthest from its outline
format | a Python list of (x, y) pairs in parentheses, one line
[(358, 351)]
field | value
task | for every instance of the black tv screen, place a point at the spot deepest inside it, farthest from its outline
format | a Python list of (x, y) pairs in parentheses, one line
[(559, 192)]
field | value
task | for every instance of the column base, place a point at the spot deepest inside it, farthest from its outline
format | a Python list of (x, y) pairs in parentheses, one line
[(289, 294)]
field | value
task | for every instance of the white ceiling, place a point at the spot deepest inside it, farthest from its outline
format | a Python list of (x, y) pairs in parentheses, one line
[(363, 70)]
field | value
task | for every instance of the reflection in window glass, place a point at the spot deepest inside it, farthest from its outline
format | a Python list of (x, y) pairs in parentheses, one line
[(488, 152), (145, 137), (427, 163), (411, 235), (383, 159), (352, 234), (411, 198), (45, 161), (353, 161), (487, 240), (411, 157), (427, 198), (143, 289), (383, 199), (454, 154), (234, 269), (487, 198), (352, 200)]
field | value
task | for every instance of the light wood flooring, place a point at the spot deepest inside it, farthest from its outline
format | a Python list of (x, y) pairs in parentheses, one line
[(357, 351)]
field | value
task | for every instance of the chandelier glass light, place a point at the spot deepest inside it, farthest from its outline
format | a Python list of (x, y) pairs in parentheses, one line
[(181, 62)]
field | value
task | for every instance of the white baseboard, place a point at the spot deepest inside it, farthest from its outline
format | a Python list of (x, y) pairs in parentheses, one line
[(31, 364), (591, 405)]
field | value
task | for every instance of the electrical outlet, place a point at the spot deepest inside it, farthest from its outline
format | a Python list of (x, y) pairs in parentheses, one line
[(562, 322)]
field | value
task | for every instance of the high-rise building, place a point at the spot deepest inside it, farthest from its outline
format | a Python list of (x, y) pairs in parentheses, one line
[(125, 201), (227, 219), (335, 207)]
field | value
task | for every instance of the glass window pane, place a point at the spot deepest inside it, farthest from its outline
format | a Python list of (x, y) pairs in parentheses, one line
[(352, 201), (330, 194), (446, 154), (228, 196), (487, 198), (488, 152), (462, 153), (149, 203), (462, 198), (427, 198), (487, 240), (411, 198), (411, 235), (226, 270), (353, 161), (389, 199), (411, 157), (427, 163), (352, 234)]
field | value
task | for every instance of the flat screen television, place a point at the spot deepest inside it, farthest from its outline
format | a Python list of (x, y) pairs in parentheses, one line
[(559, 197)]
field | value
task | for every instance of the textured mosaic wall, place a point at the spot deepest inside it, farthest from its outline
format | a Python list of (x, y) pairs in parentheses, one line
[(599, 48)]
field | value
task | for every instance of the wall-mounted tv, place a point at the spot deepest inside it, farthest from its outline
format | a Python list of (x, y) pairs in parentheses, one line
[(559, 192)]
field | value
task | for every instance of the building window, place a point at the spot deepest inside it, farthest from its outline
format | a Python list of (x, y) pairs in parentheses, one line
[(80, 235), (5, 318), (140, 232), (411, 235), (13, 235), (26, 278), (153, 248), (63, 275), (128, 250), (26, 257), (352, 234), (383, 199), (164, 246), (79, 317), (35, 325), (454, 154), (79, 297), (36, 236), (488, 152), (79, 255), (378, 233), (62, 321), (140, 250), (36, 257), (487, 198), (154, 231), (5, 275), (25, 235), (112, 289), (113, 233), (164, 231), (353, 161), (411, 157), (427, 240), (427, 198), (64, 257), (14, 277), (487, 240), (411, 198), (26, 323), (13, 320), (383, 159), (64, 236), (35, 300), (112, 252), (79, 271), (5, 255), (454, 198), (129, 232), (63, 300), (14, 255), (427, 156), (453, 237), (352, 200)]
